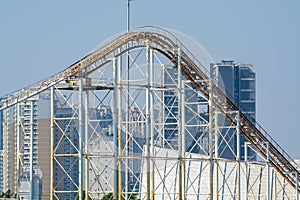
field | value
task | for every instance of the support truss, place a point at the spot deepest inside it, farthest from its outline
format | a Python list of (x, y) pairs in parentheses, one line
[(162, 129)]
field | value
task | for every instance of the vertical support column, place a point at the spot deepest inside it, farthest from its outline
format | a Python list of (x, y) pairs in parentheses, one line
[(86, 144), (268, 171), (115, 127), (238, 157), (52, 144), (162, 115), (216, 164), (179, 97), (128, 140), (148, 124), (120, 149), (275, 184), (80, 136), (272, 182), (246, 169), (297, 187), (151, 84), (210, 140), (31, 150), (18, 149), (182, 135)]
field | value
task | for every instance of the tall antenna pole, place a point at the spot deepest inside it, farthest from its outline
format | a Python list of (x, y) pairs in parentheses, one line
[(128, 15), (127, 138)]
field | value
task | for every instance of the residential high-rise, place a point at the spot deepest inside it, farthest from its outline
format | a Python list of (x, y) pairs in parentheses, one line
[(29, 121), (1, 128), (9, 149), (1, 171), (238, 80), (29, 129), (1, 150)]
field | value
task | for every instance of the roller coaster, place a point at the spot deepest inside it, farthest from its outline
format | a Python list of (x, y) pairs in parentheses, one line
[(100, 74)]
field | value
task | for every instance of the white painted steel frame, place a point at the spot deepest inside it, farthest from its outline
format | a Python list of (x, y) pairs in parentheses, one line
[(153, 93)]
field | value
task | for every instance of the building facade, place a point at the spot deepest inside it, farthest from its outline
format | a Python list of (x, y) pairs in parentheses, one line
[(1, 128), (238, 81), (10, 149), (1, 171), (1, 150), (44, 144), (26, 126), (29, 134)]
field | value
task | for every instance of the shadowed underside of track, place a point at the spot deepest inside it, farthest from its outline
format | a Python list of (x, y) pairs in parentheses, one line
[(167, 44)]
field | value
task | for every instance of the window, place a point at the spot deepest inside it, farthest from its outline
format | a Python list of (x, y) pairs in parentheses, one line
[(248, 84)]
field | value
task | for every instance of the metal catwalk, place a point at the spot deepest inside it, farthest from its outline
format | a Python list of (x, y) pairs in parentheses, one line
[(157, 129)]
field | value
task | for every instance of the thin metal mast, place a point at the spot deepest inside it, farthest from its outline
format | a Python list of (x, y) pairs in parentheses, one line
[(128, 15), (127, 105), (80, 136)]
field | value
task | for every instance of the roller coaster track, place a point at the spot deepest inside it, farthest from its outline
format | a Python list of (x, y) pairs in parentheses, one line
[(168, 44)]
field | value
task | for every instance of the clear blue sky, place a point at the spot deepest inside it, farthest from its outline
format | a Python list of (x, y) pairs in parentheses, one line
[(39, 38)]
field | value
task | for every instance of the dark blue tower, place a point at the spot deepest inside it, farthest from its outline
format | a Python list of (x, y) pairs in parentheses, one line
[(238, 81)]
